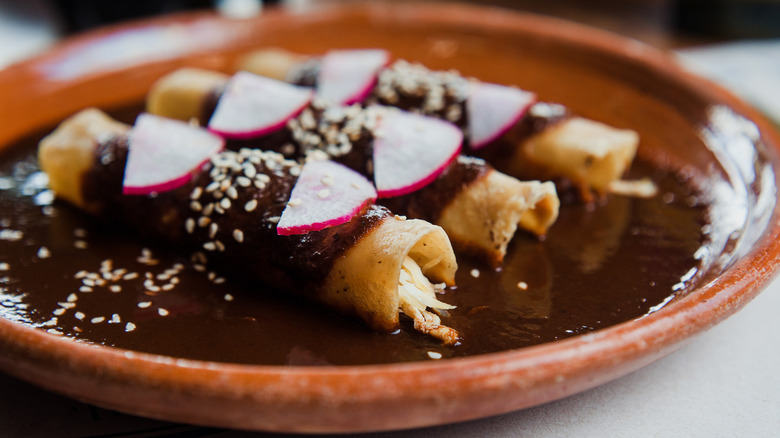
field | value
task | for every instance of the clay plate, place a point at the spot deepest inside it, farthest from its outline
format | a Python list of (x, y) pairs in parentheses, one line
[(684, 121)]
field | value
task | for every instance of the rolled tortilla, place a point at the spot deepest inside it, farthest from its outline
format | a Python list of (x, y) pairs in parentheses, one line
[(456, 200), (590, 154), (372, 267)]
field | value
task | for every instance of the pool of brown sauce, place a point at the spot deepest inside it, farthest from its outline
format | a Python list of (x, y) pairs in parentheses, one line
[(599, 266)]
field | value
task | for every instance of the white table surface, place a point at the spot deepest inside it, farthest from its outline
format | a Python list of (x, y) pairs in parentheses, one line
[(725, 383)]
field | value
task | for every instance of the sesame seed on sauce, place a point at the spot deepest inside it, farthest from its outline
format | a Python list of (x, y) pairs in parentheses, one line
[(162, 312), (228, 297), (4, 266), (251, 205), (434, 355), (238, 235), (80, 244), (129, 327), (475, 273), (522, 285), (43, 253)]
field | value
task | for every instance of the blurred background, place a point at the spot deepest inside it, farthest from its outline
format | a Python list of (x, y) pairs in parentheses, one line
[(734, 42), (659, 22)]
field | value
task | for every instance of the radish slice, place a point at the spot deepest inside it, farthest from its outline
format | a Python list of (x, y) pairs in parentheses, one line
[(163, 154), (411, 150), (326, 194), (254, 105), (347, 76), (493, 109)]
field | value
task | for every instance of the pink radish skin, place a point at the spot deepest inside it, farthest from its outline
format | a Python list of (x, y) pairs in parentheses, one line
[(411, 150), (253, 106), (163, 154), (326, 194), (493, 109), (348, 76)]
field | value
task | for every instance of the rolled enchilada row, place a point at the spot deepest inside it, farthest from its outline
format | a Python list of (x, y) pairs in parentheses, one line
[(371, 267), (546, 141), (479, 207)]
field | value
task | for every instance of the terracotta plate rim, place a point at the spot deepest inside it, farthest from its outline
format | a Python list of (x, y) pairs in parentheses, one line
[(545, 372)]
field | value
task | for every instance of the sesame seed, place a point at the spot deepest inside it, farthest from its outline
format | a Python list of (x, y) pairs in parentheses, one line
[(224, 185), (208, 209), (199, 268), (115, 288), (250, 205), (97, 319), (243, 181), (79, 315), (43, 253), (85, 289), (60, 311), (162, 312), (475, 273), (211, 275), (250, 171), (212, 187), (144, 304), (72, 298), (129, 327), (327, 180), (228, 297), (209, 246), (199, 257), (115, 319), (213, 228), (434, 355), (232, 192), (189, 225), (196, 192), (4, 266), (67, 305), (324, 193), (522, 285), (274, 219), (220, 246), (225, 203), (294, 202), (80, 244), (238, 235), (219, 280), (81, 274), (168, 286), (203, 221), (80, 232), (130, 276)]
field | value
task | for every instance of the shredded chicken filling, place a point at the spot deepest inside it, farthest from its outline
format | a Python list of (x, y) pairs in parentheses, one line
[(417, 294)]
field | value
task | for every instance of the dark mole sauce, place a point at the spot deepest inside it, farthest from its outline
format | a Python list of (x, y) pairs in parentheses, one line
[(599, 265)]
